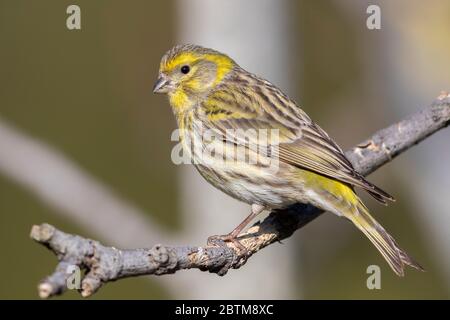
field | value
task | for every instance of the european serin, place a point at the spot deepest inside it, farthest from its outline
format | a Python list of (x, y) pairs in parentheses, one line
[(211, 95)]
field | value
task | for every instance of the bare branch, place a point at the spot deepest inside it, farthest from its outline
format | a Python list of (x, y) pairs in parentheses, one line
[(103, 264)]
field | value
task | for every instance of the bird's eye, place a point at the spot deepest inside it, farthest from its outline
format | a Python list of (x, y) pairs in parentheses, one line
[(185, 69)]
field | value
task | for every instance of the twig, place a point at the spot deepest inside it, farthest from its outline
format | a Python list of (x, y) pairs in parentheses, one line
[(103, 264)]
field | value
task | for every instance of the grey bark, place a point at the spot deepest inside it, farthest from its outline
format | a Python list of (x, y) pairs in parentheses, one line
[(103, 264)]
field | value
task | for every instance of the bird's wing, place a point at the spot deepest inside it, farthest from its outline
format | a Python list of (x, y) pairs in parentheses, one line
[(301, 143), (315, 151)]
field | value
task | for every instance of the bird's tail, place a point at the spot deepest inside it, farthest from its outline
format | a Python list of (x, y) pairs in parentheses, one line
[(396, 257)]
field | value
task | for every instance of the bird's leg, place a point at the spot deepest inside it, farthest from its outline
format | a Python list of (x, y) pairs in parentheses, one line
[(232, 236)]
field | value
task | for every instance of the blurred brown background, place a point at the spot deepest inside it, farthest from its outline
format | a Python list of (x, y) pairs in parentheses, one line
[(85, 145)]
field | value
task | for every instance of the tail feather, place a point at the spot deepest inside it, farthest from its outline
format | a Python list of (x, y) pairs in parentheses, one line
[(396, 257), (342, 200)]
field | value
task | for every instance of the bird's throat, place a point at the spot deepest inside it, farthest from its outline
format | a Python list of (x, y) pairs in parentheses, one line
[(180, 101)]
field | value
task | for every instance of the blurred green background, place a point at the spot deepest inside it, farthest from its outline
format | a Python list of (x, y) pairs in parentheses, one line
[(87, 94)]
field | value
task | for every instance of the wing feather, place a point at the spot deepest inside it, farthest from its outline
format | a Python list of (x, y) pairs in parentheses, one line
[(302, 143)]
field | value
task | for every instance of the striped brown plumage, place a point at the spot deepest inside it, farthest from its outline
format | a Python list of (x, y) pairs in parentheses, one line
[(217, 96)]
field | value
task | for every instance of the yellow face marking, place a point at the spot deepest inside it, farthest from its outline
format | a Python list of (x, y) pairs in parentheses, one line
[(180, 99), (224, 64)]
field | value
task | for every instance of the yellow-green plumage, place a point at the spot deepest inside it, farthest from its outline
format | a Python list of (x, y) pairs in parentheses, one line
[(216, 95)]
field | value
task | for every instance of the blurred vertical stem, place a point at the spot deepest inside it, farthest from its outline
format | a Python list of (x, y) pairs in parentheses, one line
[(256, 34)]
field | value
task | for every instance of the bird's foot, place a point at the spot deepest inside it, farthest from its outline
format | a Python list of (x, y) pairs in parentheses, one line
[(221, 240)]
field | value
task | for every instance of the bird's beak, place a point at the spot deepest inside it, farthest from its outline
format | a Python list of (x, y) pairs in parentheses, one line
[(162, 84)]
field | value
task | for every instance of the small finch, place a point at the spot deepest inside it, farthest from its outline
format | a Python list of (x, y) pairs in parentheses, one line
[(211, 95)]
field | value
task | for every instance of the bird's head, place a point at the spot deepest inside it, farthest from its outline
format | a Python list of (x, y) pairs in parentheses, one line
[(189, 72)]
